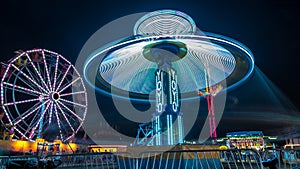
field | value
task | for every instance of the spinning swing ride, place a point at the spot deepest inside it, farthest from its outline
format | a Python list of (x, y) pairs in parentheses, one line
[(169, 56)]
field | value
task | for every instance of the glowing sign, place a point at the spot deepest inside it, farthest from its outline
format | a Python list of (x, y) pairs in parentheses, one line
[(159, 92)]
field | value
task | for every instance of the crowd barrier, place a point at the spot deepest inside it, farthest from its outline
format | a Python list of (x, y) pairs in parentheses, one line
[(158, 159), (179, 159)]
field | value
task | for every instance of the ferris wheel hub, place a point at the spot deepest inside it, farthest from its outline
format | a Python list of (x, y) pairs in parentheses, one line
[(55, 96)]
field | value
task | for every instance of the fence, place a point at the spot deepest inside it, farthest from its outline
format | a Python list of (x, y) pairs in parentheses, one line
[(179, 159), (18, 162)]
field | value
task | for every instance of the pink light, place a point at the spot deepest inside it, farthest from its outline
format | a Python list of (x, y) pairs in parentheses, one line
[(41, 118), (63, 78), (22, 88), (55, 73), (20, 102), (58, 122), (28, 78), (77, 104), (71, 111), (28, 114), (69, 84), (47, 71), (50, 115), (74, 93), (35, 69), (21, 133), (65, 117)]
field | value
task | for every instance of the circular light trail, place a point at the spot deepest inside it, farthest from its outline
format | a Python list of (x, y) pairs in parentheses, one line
[(165, 22), (227, 59)]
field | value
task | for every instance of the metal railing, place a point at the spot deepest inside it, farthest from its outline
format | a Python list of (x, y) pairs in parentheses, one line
[(18, 162), (155, 159), (202, 159), (179, 159), (93, 160), (288, 158)]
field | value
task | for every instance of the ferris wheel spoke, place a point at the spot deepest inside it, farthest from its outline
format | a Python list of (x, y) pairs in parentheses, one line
[(73, 113), (41, 88), (58, 121), (40, 119), (50, 114), (42, 71), (32, 122), (36, 71), (64, 76), (74, 81), (46, 68), (21, 102), (27, 114), (73, 93), (55, 73), (20, 118), (73, 103), (21, 133), (22, 91), (26, 90), (65, 117), (26, 82)]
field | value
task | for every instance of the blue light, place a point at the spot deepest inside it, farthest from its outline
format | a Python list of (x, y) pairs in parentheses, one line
[(209, 42)]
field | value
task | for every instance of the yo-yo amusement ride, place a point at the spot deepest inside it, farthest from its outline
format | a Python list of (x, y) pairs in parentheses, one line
[(170, 56)]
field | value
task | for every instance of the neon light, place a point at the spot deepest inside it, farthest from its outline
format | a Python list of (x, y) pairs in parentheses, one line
[(209, 36), (64, 76), (40, 119), (74, 93), (73, 103), (171, 130), (22, 88), (65, 117), (159, 91), (41, 90), (29, 78), (35, 69), (55, 73), (165, 22), (50, 114), (69, 84), (46, 68), (28, 114), (21, 102), (58, 121), (70, 111)]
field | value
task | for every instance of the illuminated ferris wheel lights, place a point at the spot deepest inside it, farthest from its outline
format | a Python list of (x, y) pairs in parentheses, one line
[(41, 88), (28, 114), (48, 87), (55, 73), (58, 121), (65, 118), (39, 74), (40, 120), (73, 113)]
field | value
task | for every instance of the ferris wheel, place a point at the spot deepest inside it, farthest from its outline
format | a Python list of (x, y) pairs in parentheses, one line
[(41, 90)]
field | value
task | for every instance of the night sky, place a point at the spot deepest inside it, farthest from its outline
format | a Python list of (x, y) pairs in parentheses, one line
[(270, 29)]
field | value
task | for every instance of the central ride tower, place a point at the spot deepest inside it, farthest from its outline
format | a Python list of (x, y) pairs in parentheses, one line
[(167, 125)]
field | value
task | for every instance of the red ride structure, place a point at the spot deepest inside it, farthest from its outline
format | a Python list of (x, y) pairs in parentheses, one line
[(209, 93)]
